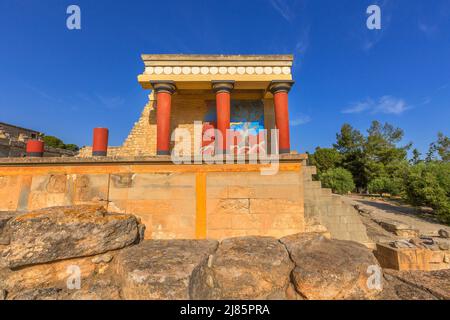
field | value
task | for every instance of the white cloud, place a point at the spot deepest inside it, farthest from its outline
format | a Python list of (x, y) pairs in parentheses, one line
[(302, 119), (428, 29), (385, 105), (111, 102), (284, 9)]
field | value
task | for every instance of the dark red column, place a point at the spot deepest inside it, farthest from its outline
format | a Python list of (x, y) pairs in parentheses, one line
[(223, 101), (163, 91), (35, 148), (100, 142), (280, 91)]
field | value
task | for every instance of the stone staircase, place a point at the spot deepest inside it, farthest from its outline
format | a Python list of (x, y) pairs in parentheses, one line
[(325, 208)]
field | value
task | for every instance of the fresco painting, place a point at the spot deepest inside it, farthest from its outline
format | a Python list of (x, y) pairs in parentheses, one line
[(246, 123)]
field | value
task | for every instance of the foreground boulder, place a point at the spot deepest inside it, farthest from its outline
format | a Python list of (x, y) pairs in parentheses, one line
[(160, 269), (332, 269), (244, 268), (67, 232)]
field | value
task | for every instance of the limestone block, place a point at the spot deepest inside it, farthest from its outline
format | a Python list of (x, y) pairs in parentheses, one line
[(160, 269), (67, 232), (227, 206), (272, 206), (244, 268), (13, 191), (331, 269)]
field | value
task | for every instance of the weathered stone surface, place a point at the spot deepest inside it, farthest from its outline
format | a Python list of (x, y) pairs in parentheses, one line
[(104, 258), (3, 294), (160, 269), (38, 294), (330, 269), (436, 282), (244, 268), (4, 234), (46, 275), (99, 290), (444, 233), (51, 280), (396, 289), (66, 232)]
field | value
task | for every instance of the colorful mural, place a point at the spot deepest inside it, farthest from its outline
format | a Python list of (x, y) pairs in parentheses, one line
[(246, 122)]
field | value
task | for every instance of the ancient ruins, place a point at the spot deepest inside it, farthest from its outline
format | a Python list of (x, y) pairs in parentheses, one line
[(140, 224)]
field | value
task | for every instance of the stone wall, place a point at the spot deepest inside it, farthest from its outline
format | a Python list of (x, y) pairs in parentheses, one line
[(173, 201), (323, 207)]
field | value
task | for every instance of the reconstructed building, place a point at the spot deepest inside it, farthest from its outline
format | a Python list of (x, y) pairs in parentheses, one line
[(13, 141), (238, 96), (198, 92)]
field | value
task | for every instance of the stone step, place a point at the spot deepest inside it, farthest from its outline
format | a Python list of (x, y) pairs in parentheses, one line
[(312, 185), (310, 170)]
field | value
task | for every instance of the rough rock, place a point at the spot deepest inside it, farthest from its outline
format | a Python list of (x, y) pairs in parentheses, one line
[(104, 258), (436, 282), (4, 232), (66, 232), (396, 289), (38, 294), (52, 280), (160, 269), (244, 268), (331, 269), (3, 294), (47, 275), (399, 229), (399, 244), (444, 233)]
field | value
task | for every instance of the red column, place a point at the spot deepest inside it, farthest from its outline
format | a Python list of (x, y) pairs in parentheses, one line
[(280, 91), (164, 91), (35, 148), (223, 101), (100, 142)]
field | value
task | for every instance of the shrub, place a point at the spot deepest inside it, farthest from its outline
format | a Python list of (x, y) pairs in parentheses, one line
[(385, 184), (338, 179), (428, 184), (325, 159)]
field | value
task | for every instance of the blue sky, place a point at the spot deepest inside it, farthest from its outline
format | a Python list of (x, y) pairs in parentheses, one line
[(65, 82)]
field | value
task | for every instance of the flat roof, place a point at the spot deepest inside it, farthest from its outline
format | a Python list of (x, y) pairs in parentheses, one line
[(21, 128), (220, 57)]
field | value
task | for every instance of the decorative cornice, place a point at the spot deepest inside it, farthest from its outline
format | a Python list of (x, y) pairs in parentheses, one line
[(213, 70), (164, 86), (222, 86), (280, 86), (195, 72)]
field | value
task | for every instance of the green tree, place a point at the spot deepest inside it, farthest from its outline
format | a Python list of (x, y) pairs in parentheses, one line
[(381, 185), (53, 141), (71, 147), (325, 159), (428, 184), (416, 157), (439, 149), (339, 180), (350, 144)]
